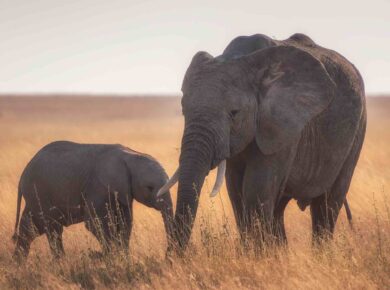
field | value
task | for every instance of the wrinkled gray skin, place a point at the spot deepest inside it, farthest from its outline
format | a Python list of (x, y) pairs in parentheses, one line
[(66, 183), (288, 116)]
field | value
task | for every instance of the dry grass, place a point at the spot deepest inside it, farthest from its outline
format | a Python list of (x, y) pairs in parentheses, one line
[(357, 259)]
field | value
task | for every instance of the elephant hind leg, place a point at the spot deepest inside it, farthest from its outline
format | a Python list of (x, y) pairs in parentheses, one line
[(325, 208), (278, 223), (54, 236), (324, 212), (30, 227)]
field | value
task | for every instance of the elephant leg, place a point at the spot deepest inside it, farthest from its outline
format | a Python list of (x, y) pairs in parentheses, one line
[(98, 214), (258, 208), (325, 208), (29, 228), (278, 225), (263, 185), (98, 224), (124, 226), (110, 227), (54, 236), (234, 179), (324, 212)]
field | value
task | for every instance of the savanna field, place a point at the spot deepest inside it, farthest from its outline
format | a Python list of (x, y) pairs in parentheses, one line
[(357, 258)]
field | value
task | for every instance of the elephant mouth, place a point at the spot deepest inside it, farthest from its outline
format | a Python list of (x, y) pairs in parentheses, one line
[(218, 159), (215, 163), (220, 164)]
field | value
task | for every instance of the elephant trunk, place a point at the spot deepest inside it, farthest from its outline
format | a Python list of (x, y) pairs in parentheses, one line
[(166, 209), (196, 160)]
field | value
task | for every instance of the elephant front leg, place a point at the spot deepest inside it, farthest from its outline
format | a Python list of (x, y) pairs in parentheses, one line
[(98, 225), (112, 227), (258, 208), (263, 185), (106, 218), (124, 227), (235, 169)]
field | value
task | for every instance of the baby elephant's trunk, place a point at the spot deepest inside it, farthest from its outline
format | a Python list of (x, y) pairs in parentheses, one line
[(165, 206)]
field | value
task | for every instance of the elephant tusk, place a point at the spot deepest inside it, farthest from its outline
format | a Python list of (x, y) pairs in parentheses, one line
[(171, 182), (219, 180)]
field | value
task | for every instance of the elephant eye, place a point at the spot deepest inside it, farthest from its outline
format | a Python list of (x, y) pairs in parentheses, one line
[(150, 188), (233, 113)]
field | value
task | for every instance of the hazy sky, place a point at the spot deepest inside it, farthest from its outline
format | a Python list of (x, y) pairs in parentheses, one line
[(145, 46)]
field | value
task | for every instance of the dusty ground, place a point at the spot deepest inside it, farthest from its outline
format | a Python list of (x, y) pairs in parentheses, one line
[(358, 259)]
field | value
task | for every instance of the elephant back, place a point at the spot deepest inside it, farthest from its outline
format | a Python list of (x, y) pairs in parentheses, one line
[(244, 45)]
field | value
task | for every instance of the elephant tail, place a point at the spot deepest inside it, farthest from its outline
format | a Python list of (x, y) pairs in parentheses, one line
[(19, 201), (348, 212)]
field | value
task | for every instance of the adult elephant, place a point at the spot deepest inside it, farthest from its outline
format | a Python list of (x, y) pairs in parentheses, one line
[(288, 117)]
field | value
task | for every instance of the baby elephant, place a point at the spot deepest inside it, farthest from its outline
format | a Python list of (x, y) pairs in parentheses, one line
[(66, 183)]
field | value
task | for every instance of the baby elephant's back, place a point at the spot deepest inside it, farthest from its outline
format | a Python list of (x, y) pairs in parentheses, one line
[(58, 174)]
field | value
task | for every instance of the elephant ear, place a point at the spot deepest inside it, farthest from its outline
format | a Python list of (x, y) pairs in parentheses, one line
[(198, 60), (295, 87)]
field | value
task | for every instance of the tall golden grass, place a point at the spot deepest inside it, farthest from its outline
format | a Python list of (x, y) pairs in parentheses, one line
[(355, 259)]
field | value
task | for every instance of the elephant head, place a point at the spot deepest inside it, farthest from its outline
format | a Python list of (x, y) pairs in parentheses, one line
[(265, 98), (147, 178)]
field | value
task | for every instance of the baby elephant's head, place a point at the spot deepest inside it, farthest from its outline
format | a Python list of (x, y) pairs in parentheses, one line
[(148, 177)]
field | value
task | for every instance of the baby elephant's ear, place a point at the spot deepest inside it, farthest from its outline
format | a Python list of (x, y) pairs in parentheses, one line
[(295, 87)]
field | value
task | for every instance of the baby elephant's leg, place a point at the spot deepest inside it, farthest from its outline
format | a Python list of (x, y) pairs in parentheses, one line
[(107, 219), (30, 227), (97, 215), (111, 227), (97, 222), (54, 236), (124, 226)]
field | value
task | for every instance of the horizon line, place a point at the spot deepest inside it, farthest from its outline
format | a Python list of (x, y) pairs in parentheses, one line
[(87, 94), (120, 94)]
